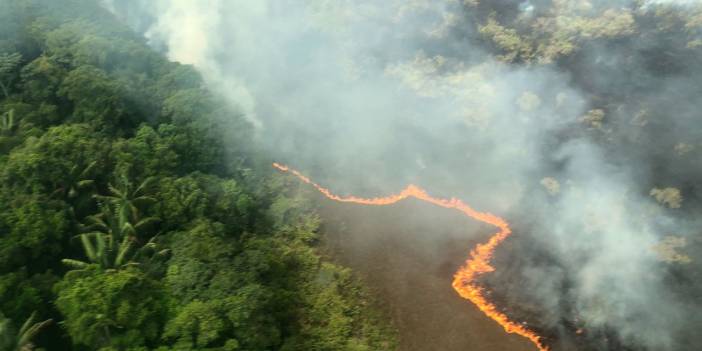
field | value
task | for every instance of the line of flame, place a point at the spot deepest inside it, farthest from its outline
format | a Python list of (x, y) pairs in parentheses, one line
[(478, 263)]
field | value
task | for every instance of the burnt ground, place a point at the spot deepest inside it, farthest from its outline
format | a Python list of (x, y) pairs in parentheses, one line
[(407, 254)]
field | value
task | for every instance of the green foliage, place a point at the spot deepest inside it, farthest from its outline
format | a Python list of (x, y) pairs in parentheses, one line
[(182, 200), (40, 80), (126, 199), (34, 230), (147, 154), (337, 311), (117, 228), (555, 33), (177, 78), (9, 127), (121, 308), (197, 145), (20, 340), (123, 167), (186, 105), (45, 164), (7, 123), (21, 292), (197, 325), (239, 321), (201, 255), (8, 70), (96, 98), (79, 179)]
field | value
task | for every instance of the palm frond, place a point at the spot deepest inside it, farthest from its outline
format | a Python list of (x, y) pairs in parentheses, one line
[(84, 183), (144, 186), (88, 246), (74, 171), (100, 223), (123, 250), (102, 248), (144, 200), (117, 193), (27, 323), (88, 169), (103, 198), (128, 230), (27, 335), (145, 222), (74, 263), (163, 252)]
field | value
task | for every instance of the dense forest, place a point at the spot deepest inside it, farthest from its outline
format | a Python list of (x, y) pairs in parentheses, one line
[(128, 221), (139, 209)]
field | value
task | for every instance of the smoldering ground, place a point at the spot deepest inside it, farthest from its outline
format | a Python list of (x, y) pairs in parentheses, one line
[(368, 96)]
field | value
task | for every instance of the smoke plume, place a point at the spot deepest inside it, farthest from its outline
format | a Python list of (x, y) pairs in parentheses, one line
[(368, 96)]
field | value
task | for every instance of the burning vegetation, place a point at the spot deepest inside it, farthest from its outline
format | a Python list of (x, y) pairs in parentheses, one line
[(138, 210)]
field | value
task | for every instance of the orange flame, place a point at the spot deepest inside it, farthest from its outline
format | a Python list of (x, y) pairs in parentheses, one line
[(478, 263)]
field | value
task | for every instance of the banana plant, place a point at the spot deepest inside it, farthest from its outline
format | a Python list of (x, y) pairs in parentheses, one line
[(112, 241), (103, 250)]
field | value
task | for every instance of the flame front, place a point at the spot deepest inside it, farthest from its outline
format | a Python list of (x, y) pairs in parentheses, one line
[(478, 263)]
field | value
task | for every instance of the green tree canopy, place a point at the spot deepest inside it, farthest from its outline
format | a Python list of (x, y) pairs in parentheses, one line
[(121, 308)]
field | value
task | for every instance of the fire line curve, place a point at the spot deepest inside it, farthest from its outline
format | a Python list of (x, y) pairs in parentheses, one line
[(478, 262)]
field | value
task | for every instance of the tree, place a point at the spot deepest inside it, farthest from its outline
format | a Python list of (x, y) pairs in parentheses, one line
[(126, 198), (178, 77), (103, 250), (79, 178), (8, 67), (7, 123), (182, 200), (121, 309), (96, 99), (21, 293), (96, 102), (39, 82), (45, 164), (111, 244), (200, 255), (146, 154), (8, 129), (34, 230), (239, 321), (20, 340)]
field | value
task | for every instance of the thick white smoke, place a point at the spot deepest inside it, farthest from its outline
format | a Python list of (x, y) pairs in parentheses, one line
[(370, 95)]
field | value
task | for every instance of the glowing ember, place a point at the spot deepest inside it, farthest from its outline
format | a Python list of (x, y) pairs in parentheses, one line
[(478, 263)]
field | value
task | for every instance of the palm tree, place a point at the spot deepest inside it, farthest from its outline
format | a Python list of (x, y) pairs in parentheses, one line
[(21, 340), (79, 178), (110, 243), (112, 239), (127, 198)]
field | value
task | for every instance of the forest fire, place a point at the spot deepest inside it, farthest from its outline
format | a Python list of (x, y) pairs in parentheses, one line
[(477, 264)]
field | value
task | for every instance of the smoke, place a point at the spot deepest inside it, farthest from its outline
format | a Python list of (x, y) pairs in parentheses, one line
[(674, 2), (368, 96)]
